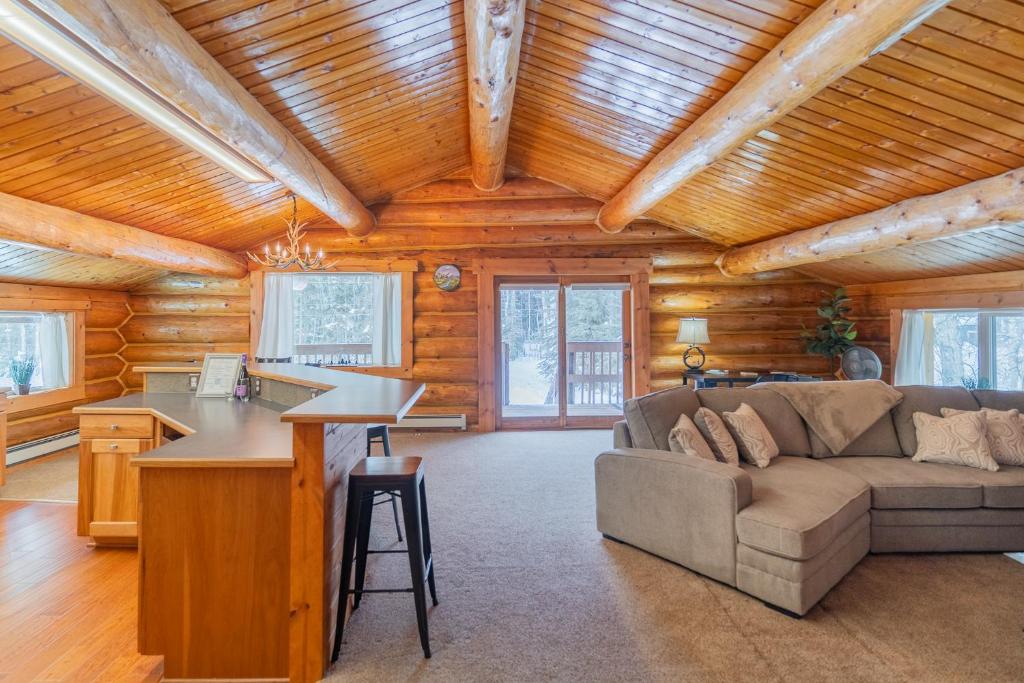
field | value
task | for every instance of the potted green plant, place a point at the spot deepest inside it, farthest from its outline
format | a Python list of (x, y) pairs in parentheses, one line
[(21, 374), (836, 334)]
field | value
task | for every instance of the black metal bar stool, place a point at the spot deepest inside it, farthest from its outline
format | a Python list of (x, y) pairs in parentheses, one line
[(368, 478), (379, 434)]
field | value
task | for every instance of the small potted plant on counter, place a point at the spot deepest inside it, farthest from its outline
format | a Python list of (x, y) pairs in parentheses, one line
[(21, 374)]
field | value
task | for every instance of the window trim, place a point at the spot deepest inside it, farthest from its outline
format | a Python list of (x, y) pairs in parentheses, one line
[(407, 267), (76, 353)]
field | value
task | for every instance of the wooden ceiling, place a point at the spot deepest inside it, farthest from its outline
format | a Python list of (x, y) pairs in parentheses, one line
[(377, 91)]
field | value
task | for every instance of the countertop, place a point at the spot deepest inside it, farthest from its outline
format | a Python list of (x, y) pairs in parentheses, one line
[(348, 397), (218, 431), (256, 433)]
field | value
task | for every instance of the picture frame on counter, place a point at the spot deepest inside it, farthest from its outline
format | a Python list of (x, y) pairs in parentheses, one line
[(220, 375)]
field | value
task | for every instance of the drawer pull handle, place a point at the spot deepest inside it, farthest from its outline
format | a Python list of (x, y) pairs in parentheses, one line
[(113, 446), (113, 427)]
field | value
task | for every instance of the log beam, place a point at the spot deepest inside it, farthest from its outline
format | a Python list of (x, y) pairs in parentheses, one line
[(141, 39), (975, 206), (494, 33), (835, 38), (32, 223), (524, 211), (447, 238)]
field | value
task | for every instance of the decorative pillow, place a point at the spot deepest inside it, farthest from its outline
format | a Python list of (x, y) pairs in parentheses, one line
[(686, 438), (956, 440), (756, 444), (717, 436), (1005, 433)]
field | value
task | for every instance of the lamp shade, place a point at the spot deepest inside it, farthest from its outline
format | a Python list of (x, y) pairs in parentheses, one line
[(693, 331)]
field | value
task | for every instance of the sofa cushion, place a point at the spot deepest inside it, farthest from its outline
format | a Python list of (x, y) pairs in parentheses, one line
[(1000, 400), (716, 435), (784, 423), (902, 483), (754, 441), (686, 438), (650, 418), (879, 439), (799, 507), (948, 518), (1002, 489), (1005, 430), (931, 400), (961, 439)]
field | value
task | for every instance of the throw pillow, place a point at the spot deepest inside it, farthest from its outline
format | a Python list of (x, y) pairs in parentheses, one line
[(686, 438), (1005, 433), (955, 440), (717, 436), (756, 444)]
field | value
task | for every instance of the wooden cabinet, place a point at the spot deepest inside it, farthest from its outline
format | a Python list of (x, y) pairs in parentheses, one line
[(108, 485)]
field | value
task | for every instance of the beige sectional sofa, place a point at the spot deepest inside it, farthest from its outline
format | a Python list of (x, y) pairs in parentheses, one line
[(788, 533)]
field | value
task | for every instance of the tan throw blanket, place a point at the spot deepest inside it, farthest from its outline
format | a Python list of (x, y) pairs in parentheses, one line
[(838, 412)]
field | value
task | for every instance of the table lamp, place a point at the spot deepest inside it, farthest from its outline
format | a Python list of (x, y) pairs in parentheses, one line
[(693, 331)]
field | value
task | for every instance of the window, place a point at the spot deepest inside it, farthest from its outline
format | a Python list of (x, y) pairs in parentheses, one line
[(977, 349), (335, 319), (41, 341)]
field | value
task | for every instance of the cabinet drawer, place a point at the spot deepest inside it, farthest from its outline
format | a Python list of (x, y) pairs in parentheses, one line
[(130, 446), (116, 426)]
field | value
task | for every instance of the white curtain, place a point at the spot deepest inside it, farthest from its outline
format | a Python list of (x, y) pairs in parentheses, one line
[(386, 348), (910, 356), (278, 326), (54, 359)]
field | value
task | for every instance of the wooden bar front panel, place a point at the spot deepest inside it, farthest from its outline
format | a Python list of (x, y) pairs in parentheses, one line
[(324, 454), (213, 573)]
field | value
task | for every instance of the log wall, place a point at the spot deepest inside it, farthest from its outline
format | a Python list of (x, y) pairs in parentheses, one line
[(102, 356), (182, 318), (754, 321)]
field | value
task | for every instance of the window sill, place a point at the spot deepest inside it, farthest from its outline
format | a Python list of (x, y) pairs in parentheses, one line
[(392, 371), (17, 403)]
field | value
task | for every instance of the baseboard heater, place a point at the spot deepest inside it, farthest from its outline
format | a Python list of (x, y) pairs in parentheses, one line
[(40, 447), (432, 422)]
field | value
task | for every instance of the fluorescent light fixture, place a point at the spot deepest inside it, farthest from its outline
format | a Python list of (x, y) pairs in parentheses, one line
[(52, 45)]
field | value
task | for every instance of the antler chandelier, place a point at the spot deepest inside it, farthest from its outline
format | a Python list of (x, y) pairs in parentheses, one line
[(291, 255)]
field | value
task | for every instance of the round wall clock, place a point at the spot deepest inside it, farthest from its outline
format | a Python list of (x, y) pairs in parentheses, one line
[(448, 277)]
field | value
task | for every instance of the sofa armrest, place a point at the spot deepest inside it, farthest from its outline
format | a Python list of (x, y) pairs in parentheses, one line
[(621, 437), (679, 507)]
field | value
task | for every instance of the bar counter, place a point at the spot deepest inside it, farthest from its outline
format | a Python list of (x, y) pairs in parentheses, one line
[(240, 511)]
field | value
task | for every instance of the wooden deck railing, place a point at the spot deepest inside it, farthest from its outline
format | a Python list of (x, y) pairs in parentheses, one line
[(333, 354), (594, 373)]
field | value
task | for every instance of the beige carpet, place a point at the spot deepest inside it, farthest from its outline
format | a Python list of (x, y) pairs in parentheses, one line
[(53, 478), (530, 591)]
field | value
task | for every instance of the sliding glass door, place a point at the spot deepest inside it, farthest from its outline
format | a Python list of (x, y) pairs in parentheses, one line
[(562, 352)]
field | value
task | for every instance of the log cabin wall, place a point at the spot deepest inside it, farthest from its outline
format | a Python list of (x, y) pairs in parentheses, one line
[(878, 306), (754, 321), (182, 318), (102, 356)]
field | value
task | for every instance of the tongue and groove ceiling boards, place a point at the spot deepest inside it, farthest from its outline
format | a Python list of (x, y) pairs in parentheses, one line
[(604, 86), (377, 92)]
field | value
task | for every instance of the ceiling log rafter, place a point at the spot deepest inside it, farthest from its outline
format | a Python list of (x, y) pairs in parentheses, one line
[(981, 205), (835, 38), (51, 227), (143, 40), (494, 34)]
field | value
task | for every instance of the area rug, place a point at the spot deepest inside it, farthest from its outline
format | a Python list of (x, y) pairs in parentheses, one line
[(530, 591), (53, 479)]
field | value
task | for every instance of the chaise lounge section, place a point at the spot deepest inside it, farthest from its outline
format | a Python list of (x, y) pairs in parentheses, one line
[(788, 533)]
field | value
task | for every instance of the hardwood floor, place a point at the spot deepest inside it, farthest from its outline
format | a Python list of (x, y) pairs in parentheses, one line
[(67, 612)]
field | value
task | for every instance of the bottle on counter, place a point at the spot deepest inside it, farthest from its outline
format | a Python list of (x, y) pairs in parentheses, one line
[(242, 388)]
